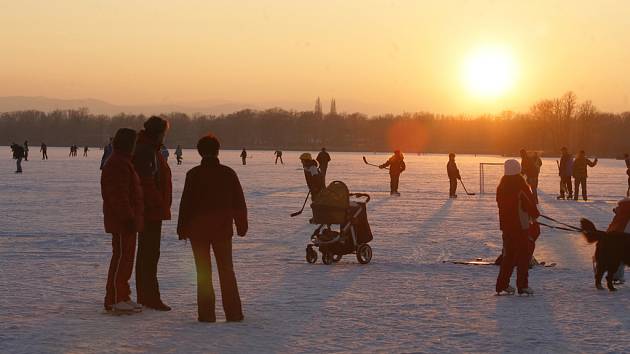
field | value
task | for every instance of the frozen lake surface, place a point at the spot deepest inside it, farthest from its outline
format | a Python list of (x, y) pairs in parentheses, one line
[(54, 256)]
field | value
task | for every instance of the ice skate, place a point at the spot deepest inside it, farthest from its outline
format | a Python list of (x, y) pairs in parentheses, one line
[(136, 306), (509, 290), (526, 291)]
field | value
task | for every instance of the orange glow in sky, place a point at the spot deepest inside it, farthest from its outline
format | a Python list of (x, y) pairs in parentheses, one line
[(372, 56)]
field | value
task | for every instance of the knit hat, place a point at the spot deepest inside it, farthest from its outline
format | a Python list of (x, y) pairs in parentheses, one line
[(512, 167), (306, 156)]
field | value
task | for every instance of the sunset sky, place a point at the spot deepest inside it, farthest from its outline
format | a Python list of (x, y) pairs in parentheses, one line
[(372, 56)]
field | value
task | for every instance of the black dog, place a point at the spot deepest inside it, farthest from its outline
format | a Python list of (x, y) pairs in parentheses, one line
[(612, 249)]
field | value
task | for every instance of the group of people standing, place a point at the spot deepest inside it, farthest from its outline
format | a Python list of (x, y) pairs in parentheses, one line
[(136, 186), (577, 168)]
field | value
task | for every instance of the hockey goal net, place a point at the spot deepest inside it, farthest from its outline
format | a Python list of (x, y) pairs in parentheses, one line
[(490, 174)]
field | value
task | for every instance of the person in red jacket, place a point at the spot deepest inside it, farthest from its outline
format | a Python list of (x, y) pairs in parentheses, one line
[(155, 177), (621, 223), (211, 203), (123, 210), (517, 215)]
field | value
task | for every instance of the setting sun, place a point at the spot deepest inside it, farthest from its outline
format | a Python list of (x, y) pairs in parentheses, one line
[(489, 72)]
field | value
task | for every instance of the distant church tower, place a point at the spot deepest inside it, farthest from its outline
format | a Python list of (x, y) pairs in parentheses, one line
[(333, 107), (318, 108)]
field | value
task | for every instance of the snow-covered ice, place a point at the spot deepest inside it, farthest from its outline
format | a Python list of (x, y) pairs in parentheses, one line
[(54, 256)]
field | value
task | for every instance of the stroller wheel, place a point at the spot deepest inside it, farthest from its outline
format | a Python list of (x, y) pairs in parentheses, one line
[(311, 255), (327, 258), (364, 253), (336, 257)]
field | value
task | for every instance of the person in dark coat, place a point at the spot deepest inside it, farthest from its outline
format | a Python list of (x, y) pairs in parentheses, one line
[(13, 146), (312, 174), (123, 211), (44, 150), (155, 177), (565, 171), (517, 215), (531, 169), (25, 150), (212, 201), (278, 155), (453, 175), (244, 156), (323, 158), (107, 152), (85, 151), (396, 166), (18, 155), (580, 174), (179, 153)]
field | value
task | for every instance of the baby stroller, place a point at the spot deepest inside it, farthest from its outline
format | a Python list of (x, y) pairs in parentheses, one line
[(331, 207)]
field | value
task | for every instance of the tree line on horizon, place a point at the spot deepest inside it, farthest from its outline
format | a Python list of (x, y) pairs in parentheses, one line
[(549, 125)]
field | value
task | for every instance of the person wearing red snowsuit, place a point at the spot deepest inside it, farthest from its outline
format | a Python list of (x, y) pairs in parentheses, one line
[(155, 178), (123, 209), (212, 201), (517, 214)]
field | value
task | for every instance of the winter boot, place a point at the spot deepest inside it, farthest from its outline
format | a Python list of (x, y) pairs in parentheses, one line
[(560, 197), (507, 291), (526, 291)]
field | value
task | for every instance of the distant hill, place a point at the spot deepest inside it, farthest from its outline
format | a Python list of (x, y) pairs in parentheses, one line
[(216, 107), (46, 104)]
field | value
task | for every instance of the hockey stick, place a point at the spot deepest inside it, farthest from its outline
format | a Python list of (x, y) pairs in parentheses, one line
[(371, 164), (466, 190), (303, 205)]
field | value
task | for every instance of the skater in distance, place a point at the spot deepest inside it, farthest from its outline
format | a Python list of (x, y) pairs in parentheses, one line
[(396, 164)]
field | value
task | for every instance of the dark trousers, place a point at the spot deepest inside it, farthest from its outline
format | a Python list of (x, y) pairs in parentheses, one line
[(452, 190), (393, 182), (517, 251), (244, 160), (565, 186), (580, 181), (279, 157), (147, 259), (229, 289), (19, 165), (44, 155), (120, 268)]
